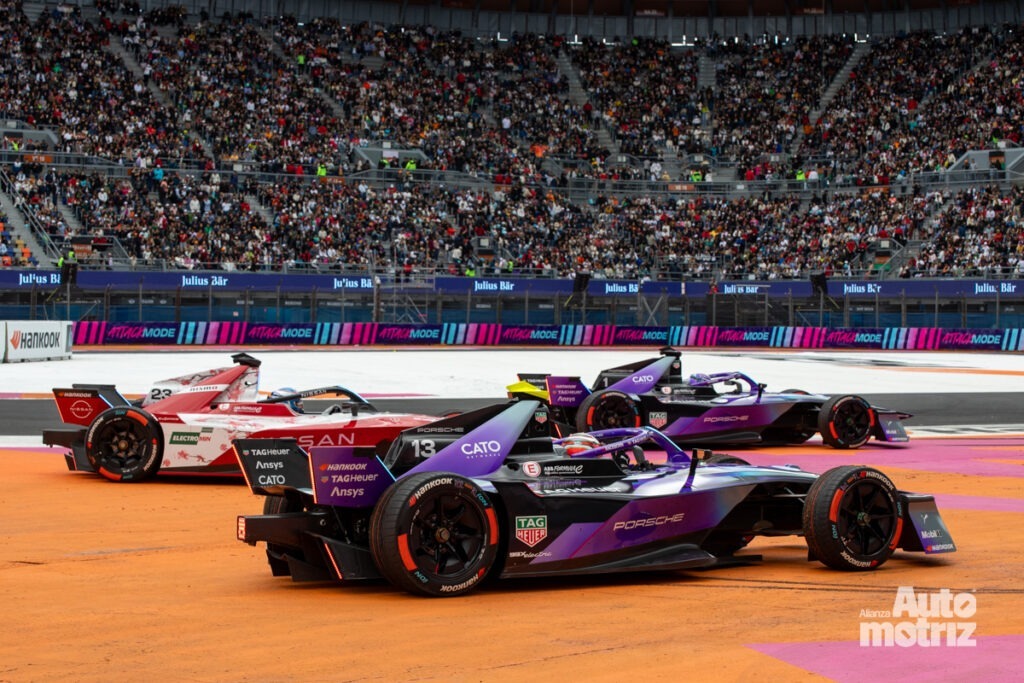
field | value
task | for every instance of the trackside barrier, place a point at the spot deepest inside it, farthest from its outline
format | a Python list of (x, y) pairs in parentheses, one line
[(31, 340), (1013, 340), (240, 334)]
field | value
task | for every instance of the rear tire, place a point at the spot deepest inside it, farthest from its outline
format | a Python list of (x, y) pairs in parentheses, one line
[(434, 534), (852, 518), (276, 505), (607, 410), (124, 444), (846, 421)]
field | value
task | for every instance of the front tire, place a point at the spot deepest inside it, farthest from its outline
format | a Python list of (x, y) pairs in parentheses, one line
[(434, 534), (846, 422), (124, 444), (852, 518), (607, 410)]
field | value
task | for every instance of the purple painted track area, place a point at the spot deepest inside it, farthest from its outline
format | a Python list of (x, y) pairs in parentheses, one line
[(993, 659), (989, 457)]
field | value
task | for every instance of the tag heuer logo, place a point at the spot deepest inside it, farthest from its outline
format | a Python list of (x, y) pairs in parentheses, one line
[(532, 530), (658, 419), (540, 416), (184, 439)]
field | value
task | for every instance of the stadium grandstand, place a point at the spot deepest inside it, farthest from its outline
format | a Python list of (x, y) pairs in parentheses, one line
[(760, 140)]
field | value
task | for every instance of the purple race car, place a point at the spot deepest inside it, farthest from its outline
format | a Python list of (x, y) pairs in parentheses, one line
[(488, 494), (724, 408)]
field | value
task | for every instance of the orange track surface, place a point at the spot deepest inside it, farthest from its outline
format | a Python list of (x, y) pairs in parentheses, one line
[(102, 581)]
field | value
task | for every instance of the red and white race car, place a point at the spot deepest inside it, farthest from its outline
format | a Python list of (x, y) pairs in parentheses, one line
[(186, 424)]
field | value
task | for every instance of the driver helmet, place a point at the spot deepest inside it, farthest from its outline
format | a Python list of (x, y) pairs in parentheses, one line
[(574, 444), (296, 403)]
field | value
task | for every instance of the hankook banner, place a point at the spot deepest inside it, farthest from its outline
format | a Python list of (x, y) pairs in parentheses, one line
[(30, 340)]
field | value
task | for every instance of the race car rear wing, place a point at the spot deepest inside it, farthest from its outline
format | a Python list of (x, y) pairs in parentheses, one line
[(470, 444), (80, 404)]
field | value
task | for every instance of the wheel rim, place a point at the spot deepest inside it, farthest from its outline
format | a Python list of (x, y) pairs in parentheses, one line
[(613, 412), (852, 421), (867, 519), (448, 535), (122, 445)]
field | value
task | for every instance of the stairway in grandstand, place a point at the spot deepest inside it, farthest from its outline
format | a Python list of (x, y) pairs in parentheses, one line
[(261, 209), (275, 47), (860, 51), (579, 96), (22, 234), (33, 9), (70, 218), (117, 48)]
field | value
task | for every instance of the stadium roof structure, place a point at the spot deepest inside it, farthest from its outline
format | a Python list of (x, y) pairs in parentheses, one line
[(678, 21), (693, 8)]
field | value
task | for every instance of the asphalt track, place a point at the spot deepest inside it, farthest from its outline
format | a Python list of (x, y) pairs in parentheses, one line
[(146, 582), (28, 417)]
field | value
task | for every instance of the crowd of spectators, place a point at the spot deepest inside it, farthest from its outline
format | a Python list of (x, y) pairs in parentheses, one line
[(766, 91), (888, 121), (8, 254), (209, 220), (291, 96), (322, 98), (188, 221), (492, 110), (981, 234), (58, 74), (645, 92), (429, 84)]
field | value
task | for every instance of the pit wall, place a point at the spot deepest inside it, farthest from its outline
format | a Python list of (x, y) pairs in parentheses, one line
[(479, 334)]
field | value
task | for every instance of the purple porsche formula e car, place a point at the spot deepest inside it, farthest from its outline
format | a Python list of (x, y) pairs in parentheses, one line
[(500, 498), (724, 408)]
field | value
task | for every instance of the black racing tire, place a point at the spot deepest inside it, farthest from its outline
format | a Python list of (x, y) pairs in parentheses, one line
[(852, 518), (723, 459), (434, 534), (607, 410), (125, 444), (800, 392), (276, 505), (846, 421)]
